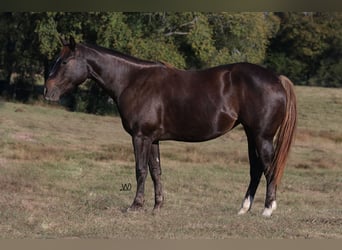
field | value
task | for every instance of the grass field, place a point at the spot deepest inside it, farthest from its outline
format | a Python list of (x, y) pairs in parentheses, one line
[(61, 174)]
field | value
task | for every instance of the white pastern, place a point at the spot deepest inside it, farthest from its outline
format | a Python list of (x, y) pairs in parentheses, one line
[(246, 205), (269, 210), (157, 159)]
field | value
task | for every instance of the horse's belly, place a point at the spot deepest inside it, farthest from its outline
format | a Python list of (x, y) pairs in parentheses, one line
[(200, 128)]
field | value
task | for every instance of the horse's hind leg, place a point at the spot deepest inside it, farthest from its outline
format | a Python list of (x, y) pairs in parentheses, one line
[(256, 170), (155, 171), (266, 151)]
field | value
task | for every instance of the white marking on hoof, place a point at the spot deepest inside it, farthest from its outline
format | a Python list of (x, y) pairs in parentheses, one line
[(246, 205), (157, 159), (269, 210)]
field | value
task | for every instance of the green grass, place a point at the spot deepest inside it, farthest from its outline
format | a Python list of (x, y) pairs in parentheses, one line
[(61, 175)]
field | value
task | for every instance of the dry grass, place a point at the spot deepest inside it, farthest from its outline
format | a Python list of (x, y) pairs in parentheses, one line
[(61, 175)]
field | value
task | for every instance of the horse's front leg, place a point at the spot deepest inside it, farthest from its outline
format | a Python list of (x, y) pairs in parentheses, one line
[(142, 149), (155, 171)]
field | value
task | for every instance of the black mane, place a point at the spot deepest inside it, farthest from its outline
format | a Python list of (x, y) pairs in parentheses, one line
[(120, 54)]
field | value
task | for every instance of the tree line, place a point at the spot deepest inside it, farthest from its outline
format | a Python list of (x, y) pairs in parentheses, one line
[(305, 46)]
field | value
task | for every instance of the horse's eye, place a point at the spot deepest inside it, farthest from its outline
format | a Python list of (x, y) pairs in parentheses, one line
[(64, 62)]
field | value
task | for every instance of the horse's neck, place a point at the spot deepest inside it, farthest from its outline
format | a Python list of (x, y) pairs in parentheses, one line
[(112, 73)]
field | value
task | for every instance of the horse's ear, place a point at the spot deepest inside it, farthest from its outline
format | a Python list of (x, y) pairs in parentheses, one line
[(63, 41), (72, 43)]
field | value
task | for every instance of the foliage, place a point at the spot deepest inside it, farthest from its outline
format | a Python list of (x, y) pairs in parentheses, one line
[(307, 48), (244, 35)]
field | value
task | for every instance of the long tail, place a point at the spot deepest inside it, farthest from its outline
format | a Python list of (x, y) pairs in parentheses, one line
[(286, 131)]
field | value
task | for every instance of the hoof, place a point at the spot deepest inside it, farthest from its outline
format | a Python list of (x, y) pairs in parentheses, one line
[(158, 203), (269, 210), (158, 206), (243, 211), (246, 205), (135, 208), (155, 211)]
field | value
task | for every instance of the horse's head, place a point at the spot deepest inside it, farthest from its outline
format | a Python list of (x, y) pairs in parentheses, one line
[(69, 70)]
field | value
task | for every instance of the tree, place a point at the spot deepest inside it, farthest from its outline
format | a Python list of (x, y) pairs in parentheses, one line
[(242, 36), (22, 59), (329, 71), (306, 45)]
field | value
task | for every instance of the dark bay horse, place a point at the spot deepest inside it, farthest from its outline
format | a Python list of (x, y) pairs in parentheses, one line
[(158, 102)]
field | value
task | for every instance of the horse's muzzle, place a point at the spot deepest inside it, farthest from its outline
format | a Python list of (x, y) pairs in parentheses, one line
[(52, 95)]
